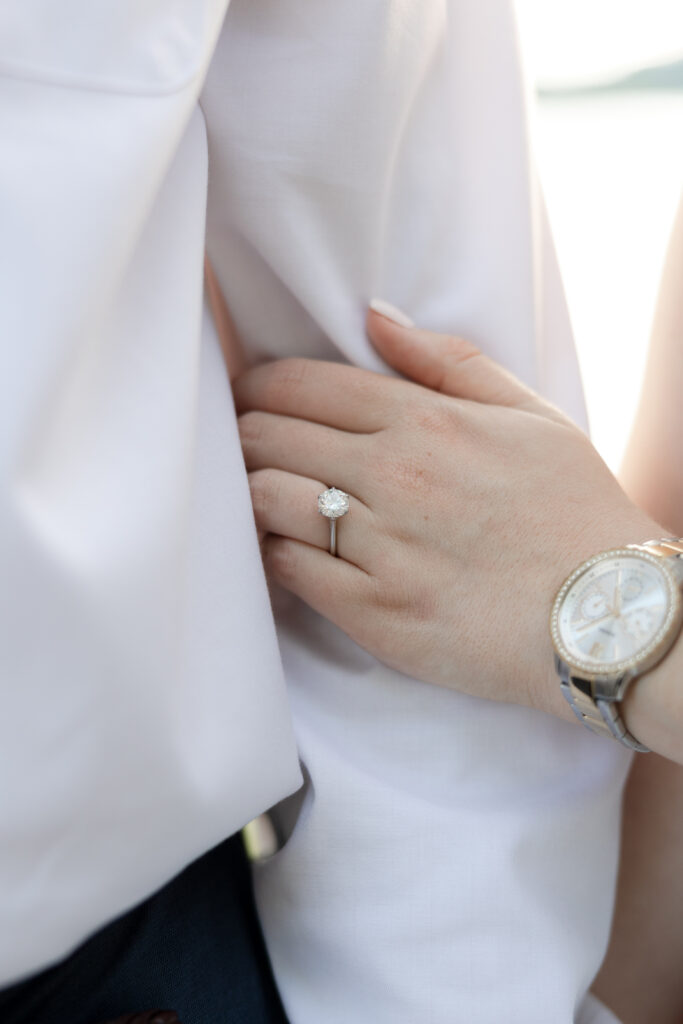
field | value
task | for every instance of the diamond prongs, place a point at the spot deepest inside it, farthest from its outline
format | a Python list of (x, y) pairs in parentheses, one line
[(333, 503)]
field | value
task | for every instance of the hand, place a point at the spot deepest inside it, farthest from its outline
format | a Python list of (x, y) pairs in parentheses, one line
[(471, 501)]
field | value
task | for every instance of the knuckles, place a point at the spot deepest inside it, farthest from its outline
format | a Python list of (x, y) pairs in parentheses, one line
[(420, 456), (460, 349), (407, 471), (438, 417), (265, 490), (280, 559), (386, 592), (397, 591), (252, 427), (284, 377)]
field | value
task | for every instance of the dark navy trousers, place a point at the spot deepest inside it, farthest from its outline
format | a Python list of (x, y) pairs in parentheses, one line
[(194, 947)]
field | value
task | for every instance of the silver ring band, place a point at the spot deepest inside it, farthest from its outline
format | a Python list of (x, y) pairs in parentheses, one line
[(333, 504)]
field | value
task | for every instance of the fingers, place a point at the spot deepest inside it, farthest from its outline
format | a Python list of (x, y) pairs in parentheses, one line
[(287, 505), (307, 449), (331, 586), (339, 396), (451, 365)]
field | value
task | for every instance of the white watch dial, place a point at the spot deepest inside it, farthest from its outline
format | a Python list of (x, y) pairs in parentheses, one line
[(613, 614)]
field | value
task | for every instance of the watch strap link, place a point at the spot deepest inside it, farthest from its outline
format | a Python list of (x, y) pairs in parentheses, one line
[(667, 547), (599, 715)]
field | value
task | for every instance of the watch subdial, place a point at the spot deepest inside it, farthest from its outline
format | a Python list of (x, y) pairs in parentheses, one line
[(640, 623), (594, 606), (631, 588)]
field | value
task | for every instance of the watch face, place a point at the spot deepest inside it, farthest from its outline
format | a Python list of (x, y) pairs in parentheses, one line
[(616, 612)]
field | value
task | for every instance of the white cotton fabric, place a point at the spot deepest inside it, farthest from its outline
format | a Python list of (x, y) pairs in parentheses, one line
[(144, 715), (595, 1012), (454, 860)]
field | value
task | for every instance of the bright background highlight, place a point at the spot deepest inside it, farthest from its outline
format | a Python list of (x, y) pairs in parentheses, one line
[(612, 169)]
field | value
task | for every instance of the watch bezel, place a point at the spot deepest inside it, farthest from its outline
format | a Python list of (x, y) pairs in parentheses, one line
[(649, 655)]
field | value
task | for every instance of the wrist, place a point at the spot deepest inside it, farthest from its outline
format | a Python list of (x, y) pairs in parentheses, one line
[(614, 528), (600, 648), (653, 707)]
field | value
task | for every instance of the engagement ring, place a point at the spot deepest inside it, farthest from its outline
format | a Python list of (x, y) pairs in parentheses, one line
[(333, 504)]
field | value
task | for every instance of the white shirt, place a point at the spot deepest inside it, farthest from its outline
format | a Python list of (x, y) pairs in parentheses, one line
[(371, 147), (454, 859), (144, 714)]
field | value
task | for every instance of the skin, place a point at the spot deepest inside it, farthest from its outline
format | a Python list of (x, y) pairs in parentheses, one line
[(468, 490), (641, 976)]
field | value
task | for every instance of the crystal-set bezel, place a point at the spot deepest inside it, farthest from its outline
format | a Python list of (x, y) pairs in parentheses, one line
[(646, 656)]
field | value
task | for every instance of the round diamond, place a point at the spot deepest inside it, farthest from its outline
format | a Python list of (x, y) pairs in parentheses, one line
[(333, 503)]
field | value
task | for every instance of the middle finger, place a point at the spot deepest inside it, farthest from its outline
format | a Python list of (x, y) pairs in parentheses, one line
[(305, 448)]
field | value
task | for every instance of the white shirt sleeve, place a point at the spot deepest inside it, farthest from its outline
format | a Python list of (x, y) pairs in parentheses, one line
[(144, 715)]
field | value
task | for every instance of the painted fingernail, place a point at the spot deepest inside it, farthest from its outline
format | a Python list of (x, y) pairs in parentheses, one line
[(391, 312)]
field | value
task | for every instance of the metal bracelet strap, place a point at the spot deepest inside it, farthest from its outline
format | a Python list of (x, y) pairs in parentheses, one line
[(667, 547), (601, 716)]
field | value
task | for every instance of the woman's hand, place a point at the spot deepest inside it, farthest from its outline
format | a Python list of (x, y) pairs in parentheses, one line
[(471, 501)]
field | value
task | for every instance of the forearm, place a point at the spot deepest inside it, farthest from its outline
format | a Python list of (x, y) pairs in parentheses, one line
[(653, 477), (640, 978)]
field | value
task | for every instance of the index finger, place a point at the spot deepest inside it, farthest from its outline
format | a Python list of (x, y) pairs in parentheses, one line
[(337, 395)]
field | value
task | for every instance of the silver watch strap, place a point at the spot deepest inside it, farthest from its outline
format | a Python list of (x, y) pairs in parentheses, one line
[(598, 714)]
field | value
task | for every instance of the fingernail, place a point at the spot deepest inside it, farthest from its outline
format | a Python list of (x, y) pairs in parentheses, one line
[(391, 312)]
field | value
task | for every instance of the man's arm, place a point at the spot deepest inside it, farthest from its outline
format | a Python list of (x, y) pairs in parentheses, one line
[(641, 977)]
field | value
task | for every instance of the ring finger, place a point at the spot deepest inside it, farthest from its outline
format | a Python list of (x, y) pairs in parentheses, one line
[(287, 505)]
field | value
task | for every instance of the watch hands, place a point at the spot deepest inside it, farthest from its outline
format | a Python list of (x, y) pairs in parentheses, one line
[(617, 595), (594, 622)]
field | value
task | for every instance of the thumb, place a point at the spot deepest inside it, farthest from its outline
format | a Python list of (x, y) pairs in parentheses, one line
[(446, 363)]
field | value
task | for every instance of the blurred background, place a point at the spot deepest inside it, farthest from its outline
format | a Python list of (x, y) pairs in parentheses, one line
[(608, 122)]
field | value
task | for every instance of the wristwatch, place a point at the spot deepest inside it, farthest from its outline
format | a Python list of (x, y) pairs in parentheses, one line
[(614, 618)]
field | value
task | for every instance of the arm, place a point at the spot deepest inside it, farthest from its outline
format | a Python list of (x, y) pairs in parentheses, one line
[(474, 500), (641, 977)]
